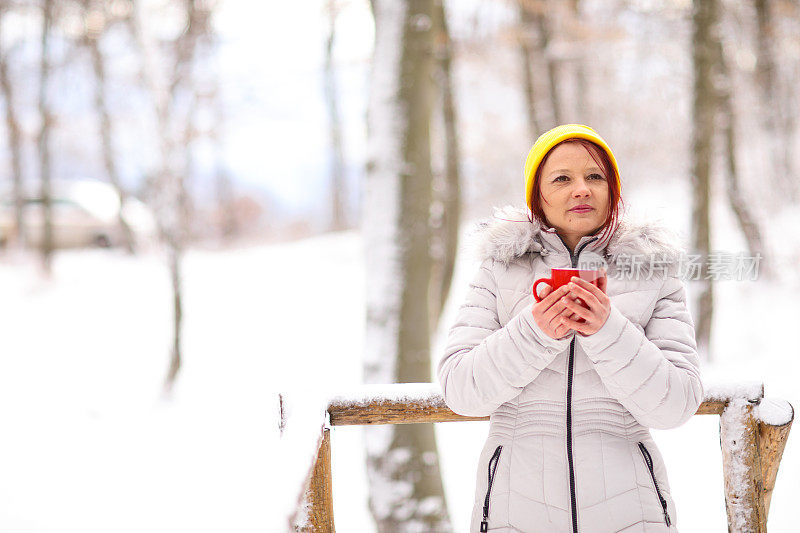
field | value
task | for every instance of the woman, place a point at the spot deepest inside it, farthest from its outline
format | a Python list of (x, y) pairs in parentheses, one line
[(571, 389)]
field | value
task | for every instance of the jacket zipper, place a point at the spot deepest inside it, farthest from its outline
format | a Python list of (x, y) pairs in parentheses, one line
[(573, 503), (649, 462), (492, 469)]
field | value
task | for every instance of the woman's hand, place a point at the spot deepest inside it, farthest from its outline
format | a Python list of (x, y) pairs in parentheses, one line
[(550, 310), (595, 297)]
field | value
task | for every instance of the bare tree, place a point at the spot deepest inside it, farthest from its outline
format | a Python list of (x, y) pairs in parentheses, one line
[(174, 103), (704, 20), (544, 22), (741, 209), (14, 135), (174, 179), (97, 20), (539, 22), (338, 186), (447, 188), (527, 41), (397, 230), (765, 59), (46, 119), (536, 21), (777, 109), (579, 46)]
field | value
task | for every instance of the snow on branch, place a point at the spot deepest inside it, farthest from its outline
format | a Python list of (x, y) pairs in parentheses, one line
[(417, 393), (752, 391)]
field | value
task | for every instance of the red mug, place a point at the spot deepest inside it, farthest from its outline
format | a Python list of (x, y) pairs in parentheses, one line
[(562, 276)]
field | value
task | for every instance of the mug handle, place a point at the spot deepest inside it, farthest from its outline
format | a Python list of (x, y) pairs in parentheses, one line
[(538, 281)]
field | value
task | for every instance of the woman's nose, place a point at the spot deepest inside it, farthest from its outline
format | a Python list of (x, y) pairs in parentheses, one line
[(581, 188)]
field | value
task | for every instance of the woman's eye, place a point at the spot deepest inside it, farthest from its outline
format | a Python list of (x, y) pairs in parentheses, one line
[(559, 178), (596, 176)]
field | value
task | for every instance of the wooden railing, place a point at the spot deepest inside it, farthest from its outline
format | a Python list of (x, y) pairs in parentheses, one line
[(753, 434)]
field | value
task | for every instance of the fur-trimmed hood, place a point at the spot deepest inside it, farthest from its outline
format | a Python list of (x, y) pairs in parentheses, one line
[(509, 235)]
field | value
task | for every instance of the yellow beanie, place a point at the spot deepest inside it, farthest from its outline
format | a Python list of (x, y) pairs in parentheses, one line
[(549, 139)]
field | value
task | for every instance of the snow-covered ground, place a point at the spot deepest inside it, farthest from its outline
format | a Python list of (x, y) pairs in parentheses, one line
[(91, 445)]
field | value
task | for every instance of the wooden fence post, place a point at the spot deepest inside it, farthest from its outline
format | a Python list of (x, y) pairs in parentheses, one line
[(772, 439), (315, 512), (741, 467)]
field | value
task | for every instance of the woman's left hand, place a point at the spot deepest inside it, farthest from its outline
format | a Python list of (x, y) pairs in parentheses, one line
[(599, 306)]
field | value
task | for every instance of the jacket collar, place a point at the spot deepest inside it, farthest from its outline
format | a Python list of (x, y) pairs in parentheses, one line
[(509, 235), (552, 243)]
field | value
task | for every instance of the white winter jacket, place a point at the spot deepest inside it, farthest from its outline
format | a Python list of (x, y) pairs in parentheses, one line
[(569, 447)]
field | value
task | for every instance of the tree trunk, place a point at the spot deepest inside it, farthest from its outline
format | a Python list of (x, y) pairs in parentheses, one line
[(104, 118), (174, 103), (765, 61), (776, 106), (14, 145), (543, 22), (526, 42), (175, 252), (45, 114), (338, 188), (579, 64), (741, 210), (704, 19), (406, 492), (174, 174), (448, 196)]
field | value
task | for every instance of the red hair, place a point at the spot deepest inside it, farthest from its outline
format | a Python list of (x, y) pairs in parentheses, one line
[(602, 160)]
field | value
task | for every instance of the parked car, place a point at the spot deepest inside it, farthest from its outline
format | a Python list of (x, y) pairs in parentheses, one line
[(84, 213)]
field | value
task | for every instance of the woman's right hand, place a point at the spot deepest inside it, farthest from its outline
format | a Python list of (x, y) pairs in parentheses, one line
[(547, 312)]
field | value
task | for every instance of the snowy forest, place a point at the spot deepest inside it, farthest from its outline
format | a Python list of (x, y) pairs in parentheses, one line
[(217, 217)]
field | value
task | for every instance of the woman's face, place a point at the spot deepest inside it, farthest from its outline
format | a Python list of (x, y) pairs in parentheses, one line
[(571, 179)]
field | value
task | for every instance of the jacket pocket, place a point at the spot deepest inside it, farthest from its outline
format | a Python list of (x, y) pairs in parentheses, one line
[(648, 461), (492, 470)]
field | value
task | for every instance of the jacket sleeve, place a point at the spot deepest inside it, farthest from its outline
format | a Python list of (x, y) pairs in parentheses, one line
[(484, 364), (655, 374)]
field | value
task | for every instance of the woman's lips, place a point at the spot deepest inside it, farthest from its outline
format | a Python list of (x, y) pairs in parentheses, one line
[(581, 209)]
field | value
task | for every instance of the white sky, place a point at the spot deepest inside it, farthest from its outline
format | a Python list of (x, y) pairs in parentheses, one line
[(271, 61)]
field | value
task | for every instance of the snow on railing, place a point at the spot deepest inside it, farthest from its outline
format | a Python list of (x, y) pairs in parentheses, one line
[(753, 434)]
